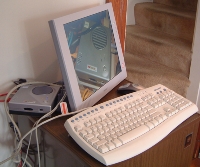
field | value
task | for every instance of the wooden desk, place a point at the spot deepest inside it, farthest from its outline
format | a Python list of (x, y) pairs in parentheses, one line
[(170, 152)]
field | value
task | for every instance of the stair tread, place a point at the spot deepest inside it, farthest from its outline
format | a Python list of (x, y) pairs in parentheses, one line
[(168, 9), (158, 36), (186, 5), (167, 19), (166, 49), (148, 73)]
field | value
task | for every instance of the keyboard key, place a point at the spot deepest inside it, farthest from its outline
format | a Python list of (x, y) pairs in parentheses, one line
[(89, 136), (108, 114), (131, 135), (116, 142), (99, 143), (103, 149), (115, 126), (110, 145), (83, 133), (93, 140), (149, 125), (87, 123), (77, 128)]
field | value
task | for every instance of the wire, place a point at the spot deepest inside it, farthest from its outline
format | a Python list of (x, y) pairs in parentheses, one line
[(4, 94), (27, 150), (45, 116), (37, 124), (10, 117)]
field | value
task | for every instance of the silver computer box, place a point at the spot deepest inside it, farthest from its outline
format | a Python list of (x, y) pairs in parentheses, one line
[(93, 63)]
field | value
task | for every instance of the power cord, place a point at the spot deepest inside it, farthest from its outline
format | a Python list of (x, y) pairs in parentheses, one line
[(37, 123)]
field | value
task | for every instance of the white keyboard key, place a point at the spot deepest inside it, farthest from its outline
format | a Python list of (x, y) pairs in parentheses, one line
[(83, 133), (102, 117), (107, 121), (111, 132), (103, 123), (108, 114), (152, 111), (115, 127), (88, 130), (150, 125), (122, 108), (93, 140), (112, 119), (93, 128), (155, 122), (127, 129), (103, 149), (116, 142), (118, 133), (131, 135), (97, 119), (117, 117), (110, 145), (92, 121), (164, 117), (87, 123), (159, 119), (77, 128), (116, 130), (117, 110), (96, 134), (98, 125), (101, 137), (113, 112), (126, 113), (127, 106), (99, 143), (110, 127), (120, 122), (105, 129), (115, 124), (121, 115), (89, 136), (181, 107), (109, 138)]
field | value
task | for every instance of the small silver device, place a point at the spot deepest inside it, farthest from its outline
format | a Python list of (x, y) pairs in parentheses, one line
[(33, 99)]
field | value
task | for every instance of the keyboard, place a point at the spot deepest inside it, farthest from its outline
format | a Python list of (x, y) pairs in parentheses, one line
[(126, 126)]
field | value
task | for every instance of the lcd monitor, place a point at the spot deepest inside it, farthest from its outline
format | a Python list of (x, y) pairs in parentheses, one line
[(89, 54)]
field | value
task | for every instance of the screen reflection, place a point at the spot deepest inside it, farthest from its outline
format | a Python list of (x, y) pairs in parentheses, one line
[(93, 51)]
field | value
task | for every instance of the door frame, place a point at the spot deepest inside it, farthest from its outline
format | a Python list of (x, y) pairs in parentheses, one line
[(193, 92)]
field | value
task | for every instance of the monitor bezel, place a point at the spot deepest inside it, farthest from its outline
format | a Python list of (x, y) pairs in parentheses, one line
[(66, 63)]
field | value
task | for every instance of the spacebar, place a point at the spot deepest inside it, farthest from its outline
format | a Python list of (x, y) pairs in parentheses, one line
[(133, 134)]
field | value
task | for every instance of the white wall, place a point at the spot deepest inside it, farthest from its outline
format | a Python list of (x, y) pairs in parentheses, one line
[(194, 89), (130, 10), (26, 47)]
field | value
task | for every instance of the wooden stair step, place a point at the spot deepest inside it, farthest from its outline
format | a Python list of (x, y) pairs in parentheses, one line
[(148, 73), (170, 20), (159, 47), (184, 4)]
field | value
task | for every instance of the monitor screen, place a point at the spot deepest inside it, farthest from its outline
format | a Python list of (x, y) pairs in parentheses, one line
[(89, 54)]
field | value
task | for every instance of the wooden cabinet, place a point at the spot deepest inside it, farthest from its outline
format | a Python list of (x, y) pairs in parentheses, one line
[(175, 150)]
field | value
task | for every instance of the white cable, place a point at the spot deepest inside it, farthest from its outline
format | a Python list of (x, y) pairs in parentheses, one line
[(37, 123), (27, 150), (42, 123), (46, 115), (38, 146), (27, 163), (10, 117)]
